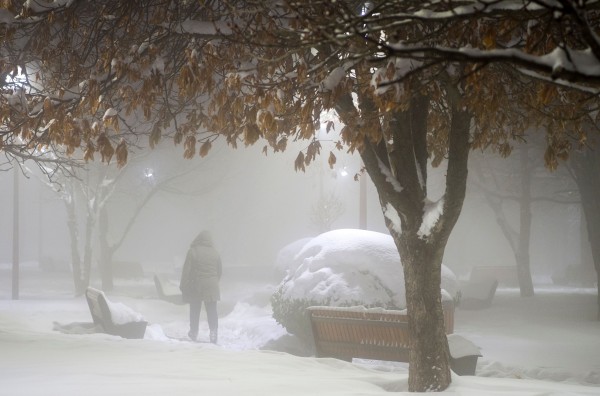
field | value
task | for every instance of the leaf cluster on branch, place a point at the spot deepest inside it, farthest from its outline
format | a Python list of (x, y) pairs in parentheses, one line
[(521, 64), (92, 77)]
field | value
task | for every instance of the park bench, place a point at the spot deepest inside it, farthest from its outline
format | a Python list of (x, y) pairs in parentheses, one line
[(379, 334), (108, 321), (478, 295), (506, 275), (167, 291)]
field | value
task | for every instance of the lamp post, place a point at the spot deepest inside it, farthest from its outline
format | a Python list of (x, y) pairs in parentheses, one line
[(15, 244), (362, 202)]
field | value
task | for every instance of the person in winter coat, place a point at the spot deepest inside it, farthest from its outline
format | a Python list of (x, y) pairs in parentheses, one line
[(200, 283)]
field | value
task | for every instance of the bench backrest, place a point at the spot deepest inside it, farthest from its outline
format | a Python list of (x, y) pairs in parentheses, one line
[(99, 308), (345, 333), (166, 291), (349, 334), (505, 274)]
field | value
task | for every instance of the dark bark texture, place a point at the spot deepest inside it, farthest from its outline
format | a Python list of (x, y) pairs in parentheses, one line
[(405, 160)]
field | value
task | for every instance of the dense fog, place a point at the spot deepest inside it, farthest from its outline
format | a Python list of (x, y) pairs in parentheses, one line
[(255, 204)]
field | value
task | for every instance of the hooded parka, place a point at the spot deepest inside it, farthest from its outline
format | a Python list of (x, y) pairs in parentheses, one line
[(201, 271)]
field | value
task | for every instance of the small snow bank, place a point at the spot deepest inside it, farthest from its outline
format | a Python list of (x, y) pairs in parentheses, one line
[(494, 369), (155, 332), (248, 326)]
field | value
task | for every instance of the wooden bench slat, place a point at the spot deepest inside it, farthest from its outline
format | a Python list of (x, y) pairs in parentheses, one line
[(359, 322), (379, 335), (349, 350)]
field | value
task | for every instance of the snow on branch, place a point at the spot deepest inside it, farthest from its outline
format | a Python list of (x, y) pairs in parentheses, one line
[(566, 64), (431, 214)]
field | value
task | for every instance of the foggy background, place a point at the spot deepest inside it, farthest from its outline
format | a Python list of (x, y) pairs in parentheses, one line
[(255, 204)]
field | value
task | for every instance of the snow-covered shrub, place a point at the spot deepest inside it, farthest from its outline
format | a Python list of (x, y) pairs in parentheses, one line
[(342, 268)]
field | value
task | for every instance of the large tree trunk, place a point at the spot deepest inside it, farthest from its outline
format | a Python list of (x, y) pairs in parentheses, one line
[(586, 167), (429, 353), (398, 168)]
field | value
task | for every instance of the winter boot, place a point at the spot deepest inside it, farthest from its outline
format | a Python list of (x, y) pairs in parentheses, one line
[(213, 336)]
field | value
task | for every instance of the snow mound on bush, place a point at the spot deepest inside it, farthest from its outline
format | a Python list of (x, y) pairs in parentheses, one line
[(348, 265), (284, 262), (342, 268)]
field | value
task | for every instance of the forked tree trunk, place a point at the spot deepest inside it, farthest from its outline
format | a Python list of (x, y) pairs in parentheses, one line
[(586, 166), (519, 240), (403, 204), (398, 166)]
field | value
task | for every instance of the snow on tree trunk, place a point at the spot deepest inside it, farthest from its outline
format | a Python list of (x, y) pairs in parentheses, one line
[(399, 172)]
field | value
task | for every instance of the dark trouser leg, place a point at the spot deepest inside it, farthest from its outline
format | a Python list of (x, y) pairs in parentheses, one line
[(195, 308), (211, 315), (213, 319)]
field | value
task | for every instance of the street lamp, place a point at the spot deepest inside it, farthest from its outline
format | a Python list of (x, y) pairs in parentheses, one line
[(362, 197), (149, 176)]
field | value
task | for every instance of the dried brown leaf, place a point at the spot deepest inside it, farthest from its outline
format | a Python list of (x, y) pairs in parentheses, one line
[(189, 147), (299, 162), (122, 153), (332, 159), (205, 148), (155, 136)]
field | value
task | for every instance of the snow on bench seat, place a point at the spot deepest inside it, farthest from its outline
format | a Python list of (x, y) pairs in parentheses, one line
[(114, 318)]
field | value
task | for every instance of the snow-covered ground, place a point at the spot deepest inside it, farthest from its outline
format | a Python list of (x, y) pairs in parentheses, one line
[(545, 345)]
